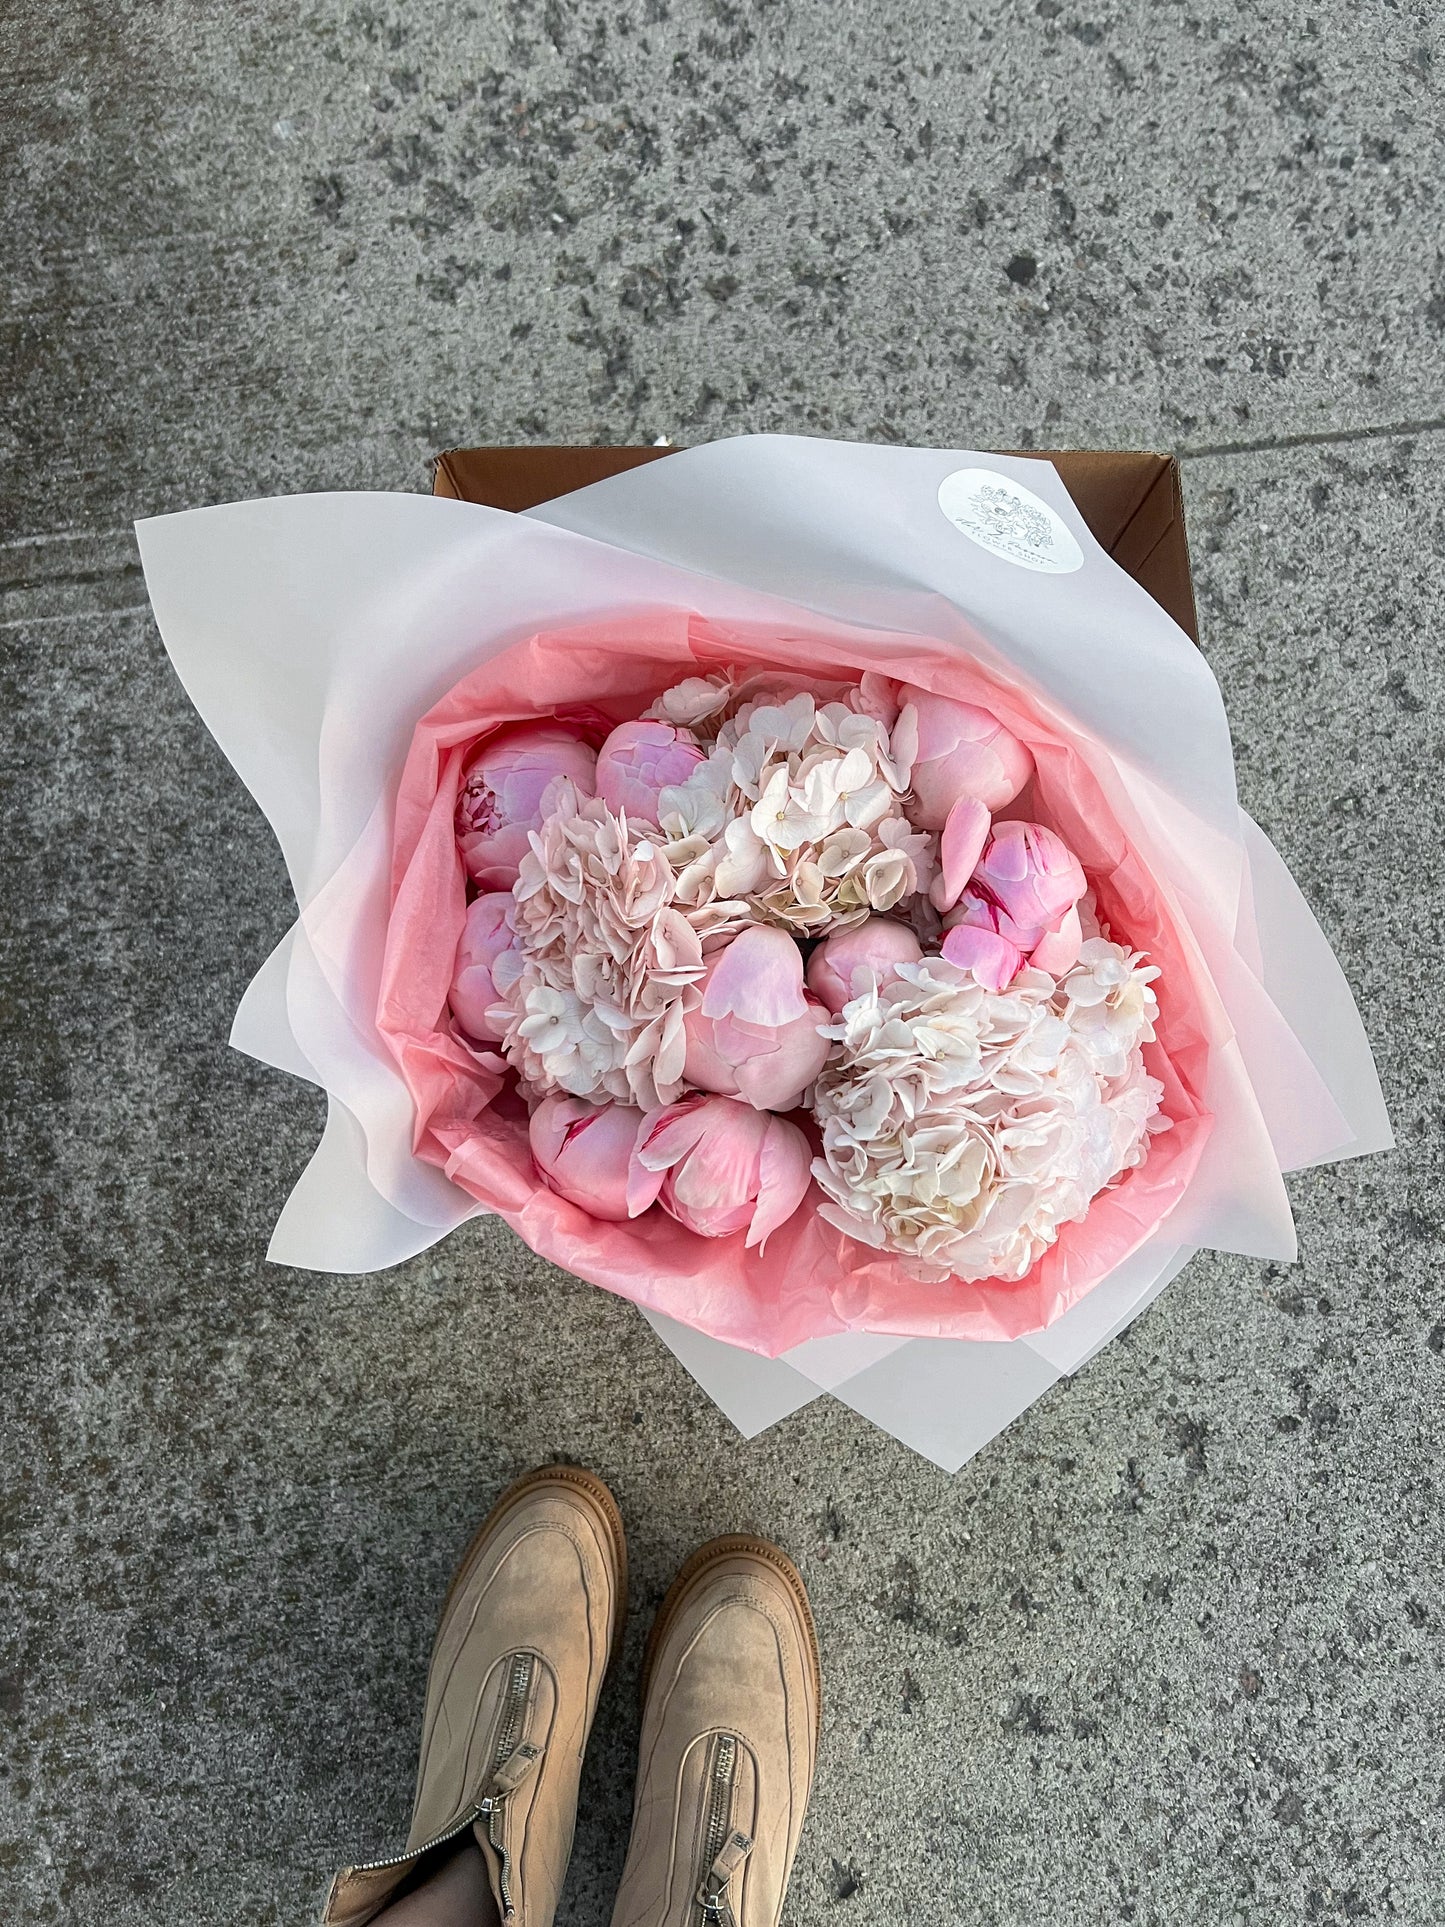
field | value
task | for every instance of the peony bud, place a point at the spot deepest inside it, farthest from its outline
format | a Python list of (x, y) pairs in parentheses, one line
[(504, 796), (640, 759), (584, 1152), (485, 951), (962, 750), (723, 1167), (1033, 877), (1020, 905), (755, 1033), (851, 956)]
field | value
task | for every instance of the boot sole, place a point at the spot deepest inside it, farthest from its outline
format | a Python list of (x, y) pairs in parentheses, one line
[(697, 1565), (577, 1481)]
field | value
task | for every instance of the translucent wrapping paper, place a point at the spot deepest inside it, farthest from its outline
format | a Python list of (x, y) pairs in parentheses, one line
[(313, 633)]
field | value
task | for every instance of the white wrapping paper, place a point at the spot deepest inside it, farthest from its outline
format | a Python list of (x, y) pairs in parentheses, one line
[(312, 632)]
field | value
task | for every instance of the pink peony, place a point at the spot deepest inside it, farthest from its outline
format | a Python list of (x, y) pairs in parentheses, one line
[(962, 751), (755, 1032), (584, 1150), (1032, 876), (849, 957), (640, 759), (486, 952), (505, 791), (1021, 905), (723, 1167)]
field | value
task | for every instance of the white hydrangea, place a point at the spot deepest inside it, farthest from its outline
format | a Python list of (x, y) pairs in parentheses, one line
[(798, 813), (606, 956), (963, 1128), (698, 703)]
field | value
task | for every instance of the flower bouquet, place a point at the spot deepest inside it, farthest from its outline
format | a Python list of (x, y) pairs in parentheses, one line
[(809, 968), (790, 900)]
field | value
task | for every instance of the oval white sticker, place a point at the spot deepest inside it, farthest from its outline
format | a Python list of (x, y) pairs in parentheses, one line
[(1009, 520)]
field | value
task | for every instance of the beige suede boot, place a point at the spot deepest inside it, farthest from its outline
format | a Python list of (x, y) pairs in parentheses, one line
[(731, 1698), (529, 1627)]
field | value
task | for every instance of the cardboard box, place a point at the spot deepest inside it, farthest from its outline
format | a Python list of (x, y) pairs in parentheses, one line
[(1131, 500)]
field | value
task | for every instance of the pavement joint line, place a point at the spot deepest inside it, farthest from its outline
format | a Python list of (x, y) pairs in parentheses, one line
[(62, 535), (1382, 431), (77, 615)]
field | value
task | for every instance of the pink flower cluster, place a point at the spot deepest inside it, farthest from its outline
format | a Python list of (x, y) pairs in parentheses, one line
[(759, 919)]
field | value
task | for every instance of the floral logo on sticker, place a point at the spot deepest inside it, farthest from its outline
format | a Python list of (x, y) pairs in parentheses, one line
[(1009, 520)]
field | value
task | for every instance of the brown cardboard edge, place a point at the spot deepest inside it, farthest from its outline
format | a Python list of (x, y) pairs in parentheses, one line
[(1107, 485), (1154, 547), (522, 476)]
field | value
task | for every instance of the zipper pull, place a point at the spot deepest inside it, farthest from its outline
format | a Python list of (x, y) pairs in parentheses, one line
[(509, 1776), (712, 1895)]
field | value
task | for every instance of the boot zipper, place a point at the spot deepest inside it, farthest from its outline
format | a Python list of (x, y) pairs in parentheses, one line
[(459, 1825), (723, 1848), (520, 1668), (512, 1761)]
